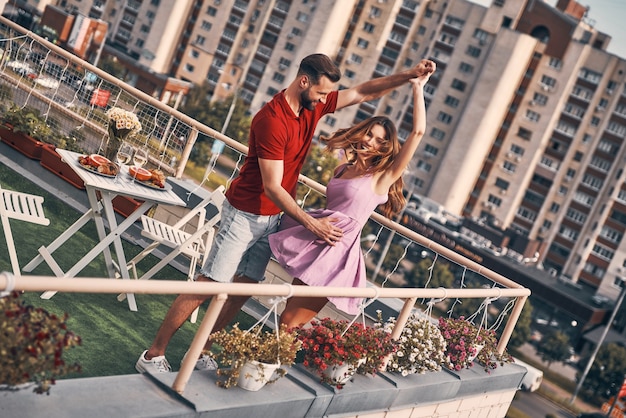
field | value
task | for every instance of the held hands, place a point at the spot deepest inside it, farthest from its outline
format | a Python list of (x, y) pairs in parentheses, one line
[(425, 69)]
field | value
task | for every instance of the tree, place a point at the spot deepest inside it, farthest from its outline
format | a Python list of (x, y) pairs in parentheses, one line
[(197, 105), (112, 66), (319, 166), (522, 331), (607, 372), (441, 274), (554, 347)]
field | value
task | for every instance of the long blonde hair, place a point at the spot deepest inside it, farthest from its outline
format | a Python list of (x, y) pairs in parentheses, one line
[(348, 140)]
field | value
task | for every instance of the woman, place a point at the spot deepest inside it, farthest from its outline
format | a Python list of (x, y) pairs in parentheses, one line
[(372, 176)]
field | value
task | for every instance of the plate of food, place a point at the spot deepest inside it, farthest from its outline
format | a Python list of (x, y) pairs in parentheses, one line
[(98, 164), (154, 179)]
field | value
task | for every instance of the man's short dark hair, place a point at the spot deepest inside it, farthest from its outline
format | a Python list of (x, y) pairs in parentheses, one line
[(317, 65)]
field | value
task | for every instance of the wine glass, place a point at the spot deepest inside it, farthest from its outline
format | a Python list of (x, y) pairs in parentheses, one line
[(123, 157), (140, 158)]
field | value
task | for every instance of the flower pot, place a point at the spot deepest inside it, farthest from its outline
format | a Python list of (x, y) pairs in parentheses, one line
[(51, 160), (23, 143), (477, 348), (341, 374), (254, 375)]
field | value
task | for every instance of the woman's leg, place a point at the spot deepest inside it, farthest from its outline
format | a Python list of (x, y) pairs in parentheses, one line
[(300, 310)]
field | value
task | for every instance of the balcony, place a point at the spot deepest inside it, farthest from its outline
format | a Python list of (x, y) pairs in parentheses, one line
[(170, 135)]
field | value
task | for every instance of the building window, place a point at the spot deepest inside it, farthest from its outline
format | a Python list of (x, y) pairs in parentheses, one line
[(532, 116), (458, 85), (290, 47), (189, 68), (356, 59), (595, 121), (592, 182), (278, 77), (211, 11), (206, 25), (481, 35), (330, 121), (578, 156), (526, 213), (438, 134), (554, 207), (424, 166), (524, 133), (539, 99), (594, 270), (590, 76), (575, 216), (375, 12), (502, 184), (200, 40), (430, 149), (496, 201), (508, 166), (584, 198), (362, 43), (602, 252), (547, 83), (611, 234), (444, 117), (466, 68), (517, 150), (451, 101), (473, 51), (555, 63)]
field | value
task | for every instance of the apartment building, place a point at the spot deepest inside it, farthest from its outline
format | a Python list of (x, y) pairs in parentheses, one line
[(526, 113)]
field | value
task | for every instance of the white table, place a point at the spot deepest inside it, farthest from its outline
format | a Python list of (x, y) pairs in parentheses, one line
[(101, 191)]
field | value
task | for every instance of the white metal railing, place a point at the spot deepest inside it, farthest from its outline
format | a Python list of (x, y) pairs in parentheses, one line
[(162, 126), (221, 291)]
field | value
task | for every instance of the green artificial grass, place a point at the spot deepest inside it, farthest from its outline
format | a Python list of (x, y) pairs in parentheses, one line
[(113, 337)]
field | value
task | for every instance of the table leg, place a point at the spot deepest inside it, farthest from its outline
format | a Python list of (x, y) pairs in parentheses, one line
[(114, 234), (94, 202)]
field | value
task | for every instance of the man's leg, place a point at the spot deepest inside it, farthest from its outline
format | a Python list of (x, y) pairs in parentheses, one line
[(180, 310), (231, 308)]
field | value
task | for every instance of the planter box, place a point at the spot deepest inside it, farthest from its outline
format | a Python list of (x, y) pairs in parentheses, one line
[(25, 144), (125, 205), (51, 160)]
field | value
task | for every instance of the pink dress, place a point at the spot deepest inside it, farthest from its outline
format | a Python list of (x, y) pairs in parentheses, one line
[(316, 263)]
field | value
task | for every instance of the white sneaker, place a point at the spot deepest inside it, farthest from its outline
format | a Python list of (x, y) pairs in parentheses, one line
[(155, 365), (205, 362)]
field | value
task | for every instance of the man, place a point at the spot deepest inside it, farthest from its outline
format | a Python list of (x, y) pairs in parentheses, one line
[(280, 138)]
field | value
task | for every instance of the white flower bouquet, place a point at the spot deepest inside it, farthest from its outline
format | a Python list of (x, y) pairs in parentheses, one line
[(420, 348)]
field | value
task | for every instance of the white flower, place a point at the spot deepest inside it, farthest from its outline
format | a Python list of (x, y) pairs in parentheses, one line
[(124, 119)]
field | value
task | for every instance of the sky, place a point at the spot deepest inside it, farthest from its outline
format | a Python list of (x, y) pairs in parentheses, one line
[(609, 17)]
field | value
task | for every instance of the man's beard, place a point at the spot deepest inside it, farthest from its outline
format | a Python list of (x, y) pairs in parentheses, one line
[(306, 101)]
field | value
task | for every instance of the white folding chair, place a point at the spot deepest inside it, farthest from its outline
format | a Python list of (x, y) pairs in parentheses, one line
[(194, 245), (23, 207)]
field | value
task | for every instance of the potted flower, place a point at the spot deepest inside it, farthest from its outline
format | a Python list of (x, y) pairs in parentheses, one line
[(123, 125), (420, 347), (335, 350), (31, 346), (466, 343), (25, 130), (254, 356), (51, 160)]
